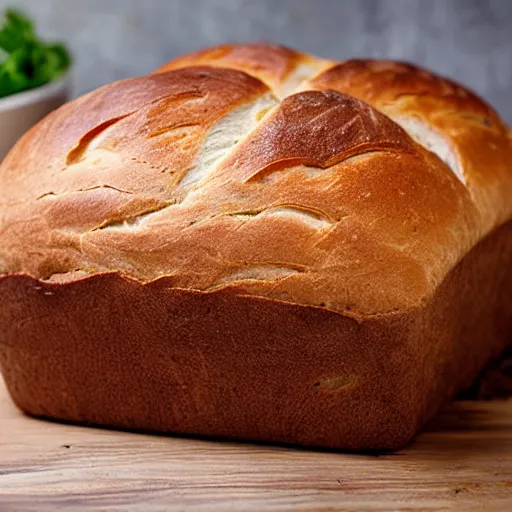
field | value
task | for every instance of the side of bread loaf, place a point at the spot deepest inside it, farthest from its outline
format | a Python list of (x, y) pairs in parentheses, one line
[(108, 350), (297, 250)]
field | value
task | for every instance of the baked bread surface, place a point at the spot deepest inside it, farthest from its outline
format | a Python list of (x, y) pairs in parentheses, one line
[(261, 177), (265, 170)]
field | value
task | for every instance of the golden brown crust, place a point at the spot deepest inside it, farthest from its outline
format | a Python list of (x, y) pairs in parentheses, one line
[(472, 129), (201, 174), (326, 207), (157, 121), (112, 351), (282, 69)]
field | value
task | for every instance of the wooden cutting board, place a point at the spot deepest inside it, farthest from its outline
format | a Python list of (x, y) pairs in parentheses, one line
[(462, 462)]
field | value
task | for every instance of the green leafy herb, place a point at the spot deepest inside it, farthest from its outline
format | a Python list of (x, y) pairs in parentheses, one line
[(25, 60)]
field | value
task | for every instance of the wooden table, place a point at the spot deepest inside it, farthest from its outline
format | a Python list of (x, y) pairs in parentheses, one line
[(462, 462)]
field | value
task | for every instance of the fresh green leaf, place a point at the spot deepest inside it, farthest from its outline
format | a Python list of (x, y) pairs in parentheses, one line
[(25, 60)]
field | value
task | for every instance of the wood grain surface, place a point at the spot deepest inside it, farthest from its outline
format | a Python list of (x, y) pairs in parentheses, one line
[(462, 462)]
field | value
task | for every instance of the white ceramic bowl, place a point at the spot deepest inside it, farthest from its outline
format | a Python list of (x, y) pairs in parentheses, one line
[(21, 111)]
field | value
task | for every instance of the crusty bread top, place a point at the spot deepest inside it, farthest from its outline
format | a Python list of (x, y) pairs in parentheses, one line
[(355, 186)]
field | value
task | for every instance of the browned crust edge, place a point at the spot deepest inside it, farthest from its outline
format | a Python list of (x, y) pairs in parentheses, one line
[(110, 351)]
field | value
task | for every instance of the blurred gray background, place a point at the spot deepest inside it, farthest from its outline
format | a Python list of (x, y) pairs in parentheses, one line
[(469, 40)]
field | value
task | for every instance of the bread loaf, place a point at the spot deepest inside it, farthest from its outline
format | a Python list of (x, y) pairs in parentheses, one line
[(253, 243)]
